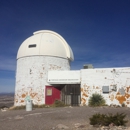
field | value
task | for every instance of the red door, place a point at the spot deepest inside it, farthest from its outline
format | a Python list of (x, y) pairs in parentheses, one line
[(52, 94)]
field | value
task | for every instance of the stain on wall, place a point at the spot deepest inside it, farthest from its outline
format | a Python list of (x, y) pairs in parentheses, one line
[(35, 94), (125, 97), (31, 77), (92, 81)]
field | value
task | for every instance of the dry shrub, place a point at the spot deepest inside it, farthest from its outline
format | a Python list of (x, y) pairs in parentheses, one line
[(96, 100), (107, 119)]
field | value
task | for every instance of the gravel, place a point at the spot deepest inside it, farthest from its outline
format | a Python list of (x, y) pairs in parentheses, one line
[(72, 118)]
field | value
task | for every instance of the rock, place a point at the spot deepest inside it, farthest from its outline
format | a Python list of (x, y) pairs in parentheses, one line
[(77, 125), (18, 117), (121, 128), (104, 128), (62, 127), (114, 128), (53, 128), (3, 110), (111, 128), (90, 127)]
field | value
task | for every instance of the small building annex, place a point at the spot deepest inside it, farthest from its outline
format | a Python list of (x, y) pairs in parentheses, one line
[(43, 74)]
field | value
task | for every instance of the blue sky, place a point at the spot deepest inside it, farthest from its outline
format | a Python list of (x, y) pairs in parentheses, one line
[(98, 31)]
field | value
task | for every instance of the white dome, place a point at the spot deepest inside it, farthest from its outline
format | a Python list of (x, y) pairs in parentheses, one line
[(45, 43)]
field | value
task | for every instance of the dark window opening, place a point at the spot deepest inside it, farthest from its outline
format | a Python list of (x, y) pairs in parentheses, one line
[(32, 45)]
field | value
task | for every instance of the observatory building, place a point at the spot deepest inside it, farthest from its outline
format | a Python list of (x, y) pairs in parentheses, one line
[(43, 75)]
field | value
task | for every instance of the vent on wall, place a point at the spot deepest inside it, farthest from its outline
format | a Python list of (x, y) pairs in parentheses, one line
[(105, 89), (88, 66), (32, 45)]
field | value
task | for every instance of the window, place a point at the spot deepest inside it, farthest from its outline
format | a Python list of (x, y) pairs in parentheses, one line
[(105, 89), (49, 92), (32, 45)]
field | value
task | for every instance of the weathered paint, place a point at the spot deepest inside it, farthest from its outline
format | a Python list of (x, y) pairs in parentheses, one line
[(31, 77), (92, 81)]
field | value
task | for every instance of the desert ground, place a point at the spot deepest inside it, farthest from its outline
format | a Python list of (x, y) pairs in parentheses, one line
[(6, 99), (71, 118)]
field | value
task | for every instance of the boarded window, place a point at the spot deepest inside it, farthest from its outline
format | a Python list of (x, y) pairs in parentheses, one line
[(49, 92), (105, 89), (122, 91), (32, 45)]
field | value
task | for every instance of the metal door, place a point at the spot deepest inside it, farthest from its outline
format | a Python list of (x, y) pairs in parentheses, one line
[(52, 94), (71, 94), (75, 95)]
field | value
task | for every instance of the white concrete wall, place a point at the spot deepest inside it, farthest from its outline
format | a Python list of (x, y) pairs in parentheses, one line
[(31, 77), (92, 81)]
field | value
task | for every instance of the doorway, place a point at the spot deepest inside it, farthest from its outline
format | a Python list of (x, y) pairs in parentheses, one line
[(70, 94)]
